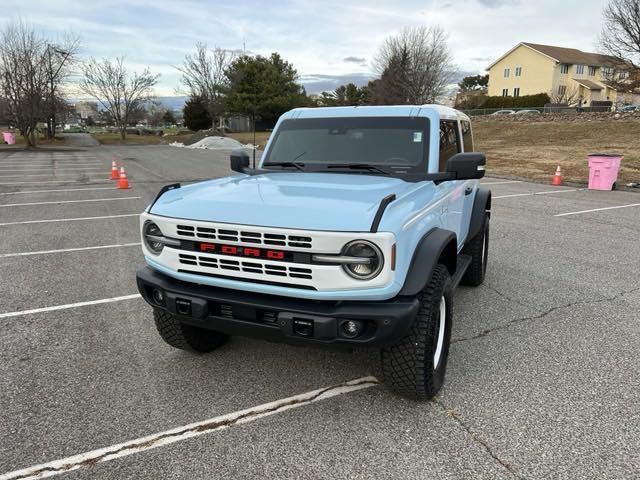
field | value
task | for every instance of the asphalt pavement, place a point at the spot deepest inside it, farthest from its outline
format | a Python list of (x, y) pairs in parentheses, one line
[(543, 374)]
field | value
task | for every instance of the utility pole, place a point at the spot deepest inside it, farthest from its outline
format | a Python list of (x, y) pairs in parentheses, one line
[(51, 124)]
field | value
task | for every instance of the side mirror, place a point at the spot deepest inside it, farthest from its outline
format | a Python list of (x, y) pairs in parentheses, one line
[(467, 166), (239, 160)]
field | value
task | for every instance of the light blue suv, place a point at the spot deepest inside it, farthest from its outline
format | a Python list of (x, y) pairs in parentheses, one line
[(353, 230)]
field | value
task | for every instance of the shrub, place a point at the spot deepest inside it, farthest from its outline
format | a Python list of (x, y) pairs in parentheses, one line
[(538, 100)]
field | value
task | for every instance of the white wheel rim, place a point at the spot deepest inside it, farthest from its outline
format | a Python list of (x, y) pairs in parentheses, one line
[(441, 326), (484, 249)]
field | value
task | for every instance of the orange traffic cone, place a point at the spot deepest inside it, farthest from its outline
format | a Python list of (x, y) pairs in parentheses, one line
[(114, 170), (123, 183), (557, 178)]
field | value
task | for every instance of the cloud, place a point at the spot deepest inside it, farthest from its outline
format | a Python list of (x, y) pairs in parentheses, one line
[(332, 49), (497, 3), (317, 83)]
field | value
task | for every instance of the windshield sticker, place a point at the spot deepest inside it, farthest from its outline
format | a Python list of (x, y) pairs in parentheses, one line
[(417, 137)]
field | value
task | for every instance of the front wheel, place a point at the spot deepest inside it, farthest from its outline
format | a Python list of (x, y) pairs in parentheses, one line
[(186, 337), (415, 366)]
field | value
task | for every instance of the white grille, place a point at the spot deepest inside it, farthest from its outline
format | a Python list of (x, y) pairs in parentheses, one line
[(243, 236), (232, 264)]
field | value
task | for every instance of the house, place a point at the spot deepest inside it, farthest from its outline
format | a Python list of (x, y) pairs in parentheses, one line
[(568, 75)]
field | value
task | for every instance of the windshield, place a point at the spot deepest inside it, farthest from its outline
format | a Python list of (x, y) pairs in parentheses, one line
[(392, 145)]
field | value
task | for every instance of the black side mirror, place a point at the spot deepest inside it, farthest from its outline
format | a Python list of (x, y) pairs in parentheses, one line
[(239, 160), (467, 166)]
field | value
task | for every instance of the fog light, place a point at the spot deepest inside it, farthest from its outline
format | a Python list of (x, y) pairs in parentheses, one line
[(351, 328), (158, 296)]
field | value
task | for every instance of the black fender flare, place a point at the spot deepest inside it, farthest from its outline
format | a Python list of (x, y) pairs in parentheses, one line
[(437, 246), (481, 206)]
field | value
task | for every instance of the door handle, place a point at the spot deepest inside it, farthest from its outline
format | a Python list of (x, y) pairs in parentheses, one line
[(468, 191)]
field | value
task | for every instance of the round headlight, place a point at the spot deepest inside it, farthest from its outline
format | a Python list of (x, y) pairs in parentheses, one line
[(371, 255), (149, 231)]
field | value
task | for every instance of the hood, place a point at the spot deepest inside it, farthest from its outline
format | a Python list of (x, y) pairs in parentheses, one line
[(308, 201)]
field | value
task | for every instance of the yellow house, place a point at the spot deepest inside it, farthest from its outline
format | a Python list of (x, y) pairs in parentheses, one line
[(567, 75)]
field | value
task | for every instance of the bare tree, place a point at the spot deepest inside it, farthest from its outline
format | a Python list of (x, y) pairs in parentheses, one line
[(620, 38), (203, 75), (59, 60), (620, 35), (569, 96), (23, 77), (121, 93), (415, 66)]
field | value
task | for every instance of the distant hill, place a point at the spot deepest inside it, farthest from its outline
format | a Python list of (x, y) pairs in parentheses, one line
[(173, 103)]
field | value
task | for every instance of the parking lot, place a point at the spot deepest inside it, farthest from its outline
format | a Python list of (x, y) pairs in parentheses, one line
[(543, 375)]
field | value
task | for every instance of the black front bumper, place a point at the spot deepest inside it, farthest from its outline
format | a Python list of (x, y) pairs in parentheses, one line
[(275, 318)]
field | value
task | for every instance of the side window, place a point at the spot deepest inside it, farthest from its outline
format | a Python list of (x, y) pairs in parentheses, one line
[(449, 142), (467, 136)]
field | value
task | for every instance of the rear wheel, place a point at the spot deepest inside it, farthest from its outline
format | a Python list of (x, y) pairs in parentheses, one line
[(186, 337), (415, 367), (478, 249)]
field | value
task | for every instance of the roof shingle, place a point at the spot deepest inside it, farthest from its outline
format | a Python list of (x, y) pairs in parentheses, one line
[(573, 55)]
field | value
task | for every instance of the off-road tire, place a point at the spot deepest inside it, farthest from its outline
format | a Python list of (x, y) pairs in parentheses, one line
[(408, 366), (186, 337), (478, 249)]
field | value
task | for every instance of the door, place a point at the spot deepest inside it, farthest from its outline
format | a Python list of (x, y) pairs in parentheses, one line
[(469, 185), (452, 192)]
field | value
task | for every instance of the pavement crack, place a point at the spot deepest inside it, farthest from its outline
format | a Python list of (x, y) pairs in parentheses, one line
[(505, 296), (90, 459), (451, 413), (543, 314)]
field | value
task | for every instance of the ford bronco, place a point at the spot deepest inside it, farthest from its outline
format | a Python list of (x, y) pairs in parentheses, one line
[(353, 230)]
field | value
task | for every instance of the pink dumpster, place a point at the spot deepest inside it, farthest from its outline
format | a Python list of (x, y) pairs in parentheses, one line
[(603, 170), (9, 138)]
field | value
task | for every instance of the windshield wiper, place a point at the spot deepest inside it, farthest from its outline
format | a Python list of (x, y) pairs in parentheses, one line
[(292, 163), (358, 166), (296, 165)]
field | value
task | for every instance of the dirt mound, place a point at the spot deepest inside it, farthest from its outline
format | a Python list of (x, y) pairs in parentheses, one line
[(199, 135), (213, 143)]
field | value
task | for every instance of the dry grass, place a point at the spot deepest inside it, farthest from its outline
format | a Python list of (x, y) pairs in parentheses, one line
[(114, 139), (247, 137), (534, 150)]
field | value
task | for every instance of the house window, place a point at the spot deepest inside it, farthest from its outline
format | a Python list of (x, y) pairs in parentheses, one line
[(449, 142), (518, 71), (516, 92), (580, 69), (562, 89), (467, 137), (507, 72), (505, 92), (564, 69), (592, 71), (623, 75)]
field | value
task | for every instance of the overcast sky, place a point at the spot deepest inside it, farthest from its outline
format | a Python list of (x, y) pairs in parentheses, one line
[(330, 42)]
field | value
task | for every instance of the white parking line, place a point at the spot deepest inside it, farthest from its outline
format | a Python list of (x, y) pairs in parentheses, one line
[(76, 219), (49, 174), (538, 193), (65, 250), (50, 181), (179, 434), (597, 210), (500, 183), (58, 190), (56, 202), (68, 306), (36, 168)]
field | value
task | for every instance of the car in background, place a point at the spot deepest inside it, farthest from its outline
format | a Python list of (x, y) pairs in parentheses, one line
[(527, 112), (629, 108), (503, 112)]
